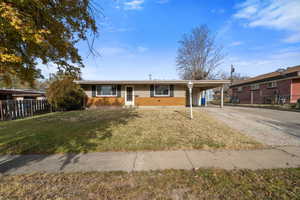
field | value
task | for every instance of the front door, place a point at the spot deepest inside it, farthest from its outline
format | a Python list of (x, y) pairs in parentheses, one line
[(129, 96)]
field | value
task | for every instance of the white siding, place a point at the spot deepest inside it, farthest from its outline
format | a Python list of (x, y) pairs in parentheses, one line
[(140, 90)]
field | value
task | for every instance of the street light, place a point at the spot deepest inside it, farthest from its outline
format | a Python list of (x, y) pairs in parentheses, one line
[(190, 86)]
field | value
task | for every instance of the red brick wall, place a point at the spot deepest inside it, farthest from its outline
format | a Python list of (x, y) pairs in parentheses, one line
[(160, 101), (139, 101), (104, 101), (295, 90), (257, 98), (283, 89), (244, 96)]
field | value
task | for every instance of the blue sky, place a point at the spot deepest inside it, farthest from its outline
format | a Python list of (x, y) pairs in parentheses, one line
[(140, 37)]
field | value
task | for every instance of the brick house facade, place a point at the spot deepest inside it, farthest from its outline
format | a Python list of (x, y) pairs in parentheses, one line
[(142, 93), (277, 87)]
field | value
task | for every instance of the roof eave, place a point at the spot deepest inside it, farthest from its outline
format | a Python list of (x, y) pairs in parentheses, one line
[(179, 82)]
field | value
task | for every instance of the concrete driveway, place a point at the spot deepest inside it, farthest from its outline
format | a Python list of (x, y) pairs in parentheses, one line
[(271, 127)]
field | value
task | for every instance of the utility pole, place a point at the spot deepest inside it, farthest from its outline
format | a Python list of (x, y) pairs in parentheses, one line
[(231, 74), (231, 82)]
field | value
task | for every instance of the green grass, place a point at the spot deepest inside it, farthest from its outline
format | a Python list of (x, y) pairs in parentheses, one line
[(118, 130), (278, 184)]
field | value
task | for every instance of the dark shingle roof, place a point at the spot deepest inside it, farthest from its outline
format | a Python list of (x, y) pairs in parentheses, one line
[(279, 74), (20, 91)]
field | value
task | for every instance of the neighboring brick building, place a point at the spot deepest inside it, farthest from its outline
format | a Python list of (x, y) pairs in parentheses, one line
[(21, 94), (281, 86)]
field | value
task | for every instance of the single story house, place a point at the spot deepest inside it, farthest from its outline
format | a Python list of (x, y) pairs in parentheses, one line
[(281, 86), (21, 94), (146, 92)]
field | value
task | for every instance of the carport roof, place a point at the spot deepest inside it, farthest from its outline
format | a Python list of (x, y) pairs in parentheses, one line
[(197, 83)]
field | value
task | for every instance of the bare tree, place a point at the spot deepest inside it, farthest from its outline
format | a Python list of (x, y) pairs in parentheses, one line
[(235, 76), (198, 55)]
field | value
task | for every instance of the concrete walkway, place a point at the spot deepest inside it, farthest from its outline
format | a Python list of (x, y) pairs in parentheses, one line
[(281, 157)]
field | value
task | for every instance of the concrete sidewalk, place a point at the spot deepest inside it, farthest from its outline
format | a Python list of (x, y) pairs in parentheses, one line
[(281, 157)]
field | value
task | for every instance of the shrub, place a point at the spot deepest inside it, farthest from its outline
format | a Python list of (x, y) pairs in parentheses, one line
[(64, 94)]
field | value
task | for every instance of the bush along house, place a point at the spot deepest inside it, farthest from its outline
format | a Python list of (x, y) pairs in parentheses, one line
[(279, 87), (146, 92)]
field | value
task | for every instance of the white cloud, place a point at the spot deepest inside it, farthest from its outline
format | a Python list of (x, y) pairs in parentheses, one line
[(134, 5), (276, 14), (263, 63), (236, 43), (293, 38), (122, 51), (112, 51), (142, 49), (118, 30), (163, 1), (108, 26), (227, 26), (246, 12)]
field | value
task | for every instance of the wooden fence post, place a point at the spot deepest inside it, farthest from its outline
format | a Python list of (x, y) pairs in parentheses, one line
[(15, 109)]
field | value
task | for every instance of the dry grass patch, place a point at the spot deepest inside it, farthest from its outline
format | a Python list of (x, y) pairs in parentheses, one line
[(119, 130), (172, 129), (169, 184)]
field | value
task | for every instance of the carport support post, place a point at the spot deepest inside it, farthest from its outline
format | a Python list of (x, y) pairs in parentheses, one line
[(222, 97), (206, 98), (190, 86)]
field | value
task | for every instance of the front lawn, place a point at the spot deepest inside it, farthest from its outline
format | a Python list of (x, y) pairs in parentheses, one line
[(118, 130), (169, 184)]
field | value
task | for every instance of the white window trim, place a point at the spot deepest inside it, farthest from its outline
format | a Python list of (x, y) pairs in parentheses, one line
[(240, 89), (162, 95), (100, 95), (257, 86), (272, 86)]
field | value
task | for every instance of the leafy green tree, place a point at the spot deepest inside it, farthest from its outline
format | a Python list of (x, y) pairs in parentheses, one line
[(39, 84), (42, 31), (64, 94)]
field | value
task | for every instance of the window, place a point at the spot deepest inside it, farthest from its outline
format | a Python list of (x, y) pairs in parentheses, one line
[(106, 90), (162, 90), (272, 84), (240, 89), (255, 86)]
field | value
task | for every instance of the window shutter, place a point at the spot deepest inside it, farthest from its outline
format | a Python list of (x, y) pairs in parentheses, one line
[(171, 90), (93, 90), (119, 90), (151, 90)]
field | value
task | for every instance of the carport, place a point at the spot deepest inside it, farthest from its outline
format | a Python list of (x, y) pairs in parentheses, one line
[(199, 88)]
